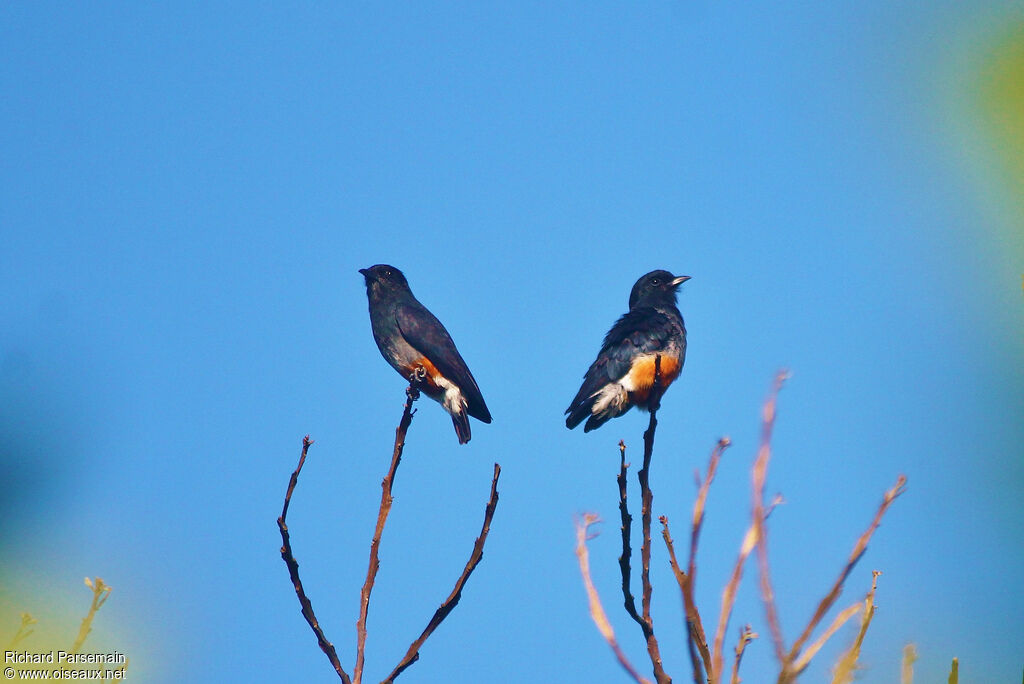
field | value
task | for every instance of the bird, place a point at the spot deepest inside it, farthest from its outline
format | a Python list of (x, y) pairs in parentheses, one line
[(414, 342), (622, 375)]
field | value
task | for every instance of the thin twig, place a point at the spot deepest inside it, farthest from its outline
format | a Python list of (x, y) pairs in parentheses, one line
[(729, 597), (25, 630), (413, 653), (100, 593), (293, 570), (805, 658), (694, 623), (746, 636), (760, 532), (412, 394), (698, 506), (847, 665), (731, 588), (858, 551), (597, 613), (954, 672), (647, 498), (627, 549), (695, 631)]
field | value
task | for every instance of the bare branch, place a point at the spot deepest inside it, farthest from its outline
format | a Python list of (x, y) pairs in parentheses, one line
[(732, 587), (100, 593), (760, 532), (413, 653), (293, 570), (597, 613), (847, 665), (698, 506), (696, 642), (909, 656), (712, 670), (840, 620), (627, 548), (412, 394), (25, 630), (695, 631), (694, 623), (954, 672), (746, 636), (647, 498), (858, 551), (729, 596)]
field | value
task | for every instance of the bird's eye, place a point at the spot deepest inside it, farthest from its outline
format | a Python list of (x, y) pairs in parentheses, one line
[(387, 273), (655, 281)]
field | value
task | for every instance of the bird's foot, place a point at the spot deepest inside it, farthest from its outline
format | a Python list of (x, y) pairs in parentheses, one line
[(416, 378)]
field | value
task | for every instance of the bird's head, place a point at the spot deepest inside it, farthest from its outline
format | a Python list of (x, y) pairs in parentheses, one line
[(656, 286), (383, 278)]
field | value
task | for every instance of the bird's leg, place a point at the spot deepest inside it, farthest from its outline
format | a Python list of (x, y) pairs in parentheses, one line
[(418, 375)]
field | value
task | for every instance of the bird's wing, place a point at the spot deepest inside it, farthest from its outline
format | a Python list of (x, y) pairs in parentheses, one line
[(425, 333), (643, 330)]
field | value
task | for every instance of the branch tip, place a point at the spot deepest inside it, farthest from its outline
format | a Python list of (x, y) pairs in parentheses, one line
[(597, 613), (293, 570), (386, 500), (412, 654)]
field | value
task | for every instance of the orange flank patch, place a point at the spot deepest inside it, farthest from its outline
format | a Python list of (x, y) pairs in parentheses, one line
[(430, 383), (640, 378)]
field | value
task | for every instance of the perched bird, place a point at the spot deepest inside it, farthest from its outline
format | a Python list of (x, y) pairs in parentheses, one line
[(416, 345), (622, 375)]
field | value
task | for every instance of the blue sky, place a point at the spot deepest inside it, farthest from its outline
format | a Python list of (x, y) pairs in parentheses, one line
[(186, 194)]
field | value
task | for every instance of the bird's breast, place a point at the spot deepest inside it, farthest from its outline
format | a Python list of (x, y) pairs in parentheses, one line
[(640, 378)]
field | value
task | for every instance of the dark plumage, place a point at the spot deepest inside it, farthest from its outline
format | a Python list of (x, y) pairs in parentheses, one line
[(623, 373), (411, 338)]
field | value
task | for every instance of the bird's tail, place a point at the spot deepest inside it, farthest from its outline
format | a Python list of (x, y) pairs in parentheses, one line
[(460, 419), (577, 413), (608, 402)]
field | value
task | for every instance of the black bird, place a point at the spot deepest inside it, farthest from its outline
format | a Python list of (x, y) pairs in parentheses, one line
[(416, 345), (622, 375)]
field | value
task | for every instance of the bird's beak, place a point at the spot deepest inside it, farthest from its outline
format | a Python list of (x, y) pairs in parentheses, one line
[(676, 282)]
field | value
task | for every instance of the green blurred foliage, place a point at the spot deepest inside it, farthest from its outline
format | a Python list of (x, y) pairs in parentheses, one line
[(1001, 97)]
